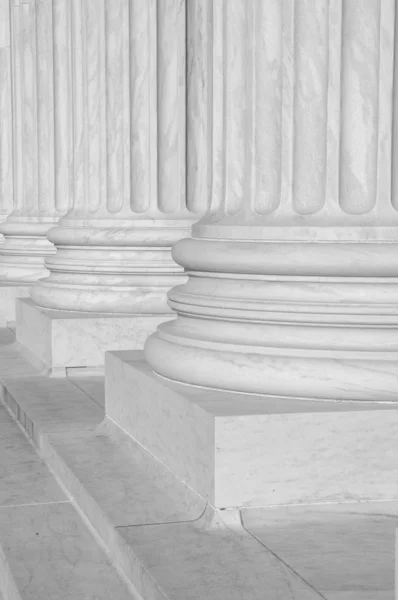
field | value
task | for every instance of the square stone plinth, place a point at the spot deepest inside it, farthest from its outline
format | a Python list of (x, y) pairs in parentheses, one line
[(64, 340), (8, 296), (248, 450)]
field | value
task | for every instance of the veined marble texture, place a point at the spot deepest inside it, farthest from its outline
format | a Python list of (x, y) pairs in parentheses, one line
[(6, 183), (40, 126), (293, 273), (255, 450), (129, 199), (61, 340)]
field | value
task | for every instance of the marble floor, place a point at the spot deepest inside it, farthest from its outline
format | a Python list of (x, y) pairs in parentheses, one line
[(87, 513)]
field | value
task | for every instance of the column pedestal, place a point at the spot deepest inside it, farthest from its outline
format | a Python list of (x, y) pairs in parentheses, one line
[(247, 450), (73, 340)]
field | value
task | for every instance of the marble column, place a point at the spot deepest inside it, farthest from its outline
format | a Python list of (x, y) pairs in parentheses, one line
[(129, 147), (6, 186), (41, 138), (293, 272)]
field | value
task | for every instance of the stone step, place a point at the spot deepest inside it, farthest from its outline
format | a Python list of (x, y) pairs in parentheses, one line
[(346, 551), (342, 551), (47, 553), (165, 540), (46, 550), (170, 543)]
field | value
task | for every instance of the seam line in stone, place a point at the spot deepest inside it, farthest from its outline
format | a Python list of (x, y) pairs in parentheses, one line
[(280, 559)]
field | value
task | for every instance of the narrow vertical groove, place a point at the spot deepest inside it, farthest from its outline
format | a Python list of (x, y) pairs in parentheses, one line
[(359, 105), (385, 106), (143, 105), (79, 106), (310, 105), (198, 113), (250, 179), (171, 105), (216, 158), (96, 97), (115, 75), (333, 110), (17, 108), (267, 108), (126, 188), (394, 160), (288, 82), (45, 106), (6, 183), (29, 99), (62, 105), (236, 100), (180, 202), (214, 59), (102, 86)]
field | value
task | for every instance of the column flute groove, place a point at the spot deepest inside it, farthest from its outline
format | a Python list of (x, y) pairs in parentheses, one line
[(6, 183)]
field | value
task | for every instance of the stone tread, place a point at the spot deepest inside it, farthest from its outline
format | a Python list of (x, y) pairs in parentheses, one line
[(46, 550), (47, 553)]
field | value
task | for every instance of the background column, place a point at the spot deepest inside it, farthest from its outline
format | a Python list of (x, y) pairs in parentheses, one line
[(41, 136), (129, 147), (293, 273), (6, 188)]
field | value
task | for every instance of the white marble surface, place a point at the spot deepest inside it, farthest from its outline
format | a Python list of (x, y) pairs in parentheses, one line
[(24, 477), (242, 450), (177, 432), (129, 485), (40, 151), (215, 559), (45, 405), (128, 180), (62, 339), (334, 456), (132, 502), (292, 272), (49, 553), (345, 551), (12, 361), (8, 295), (93, 386)]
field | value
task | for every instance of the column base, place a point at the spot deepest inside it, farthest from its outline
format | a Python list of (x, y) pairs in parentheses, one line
[(8, 296), (61, 340), (243, 450)]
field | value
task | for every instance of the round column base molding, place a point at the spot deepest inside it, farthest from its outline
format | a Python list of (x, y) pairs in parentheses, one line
[(25, 248), (22, 260), (115, 299), (296, 374), (109, 271), (295, 320)]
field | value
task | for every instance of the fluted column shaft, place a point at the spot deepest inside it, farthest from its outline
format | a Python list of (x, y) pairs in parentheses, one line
[(6, 187), (293, 273), (129, 184), (41, 155)]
